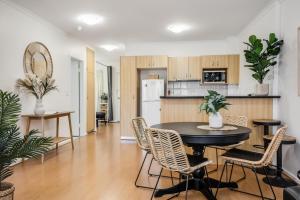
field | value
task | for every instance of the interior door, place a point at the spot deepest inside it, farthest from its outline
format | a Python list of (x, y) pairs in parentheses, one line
[(91, 111)]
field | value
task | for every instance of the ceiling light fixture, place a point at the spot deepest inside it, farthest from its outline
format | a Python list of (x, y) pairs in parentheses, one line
[(90, 19), (109, 47), (178, 28)]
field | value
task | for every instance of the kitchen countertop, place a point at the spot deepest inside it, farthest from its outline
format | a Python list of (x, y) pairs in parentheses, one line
[(230, 97)]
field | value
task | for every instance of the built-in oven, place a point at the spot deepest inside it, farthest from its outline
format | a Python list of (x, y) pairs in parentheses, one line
[(215, 76)]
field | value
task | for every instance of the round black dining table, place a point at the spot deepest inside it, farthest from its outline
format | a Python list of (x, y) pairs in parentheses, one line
[(198, 139)]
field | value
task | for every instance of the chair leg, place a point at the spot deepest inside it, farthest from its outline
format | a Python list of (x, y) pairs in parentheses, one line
[(172, 178), (154, 189), (150, 167), (137, 178), (220, 179), (259, 187), (187, 187), (217, 162), (269, 183), (260, 191)]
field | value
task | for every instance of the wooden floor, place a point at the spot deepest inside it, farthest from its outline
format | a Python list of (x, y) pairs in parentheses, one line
[(100, 168)]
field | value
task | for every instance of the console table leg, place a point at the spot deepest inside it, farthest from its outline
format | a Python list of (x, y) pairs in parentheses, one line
[(71, 132), (57, 132)]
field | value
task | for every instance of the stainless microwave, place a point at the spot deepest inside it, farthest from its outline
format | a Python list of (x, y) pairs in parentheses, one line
[(215, 76)]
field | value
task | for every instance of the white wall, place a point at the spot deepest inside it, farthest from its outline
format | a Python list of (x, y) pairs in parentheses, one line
[(289, 105), (265, 23), (193, 48), (19, 27)]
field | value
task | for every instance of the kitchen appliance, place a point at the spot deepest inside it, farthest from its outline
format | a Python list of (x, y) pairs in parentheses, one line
[(152, 90), (215, 76)]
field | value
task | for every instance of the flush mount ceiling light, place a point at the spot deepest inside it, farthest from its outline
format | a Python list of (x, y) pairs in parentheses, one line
[(178, 28), (90, 19), (109, 47), (112, 47)]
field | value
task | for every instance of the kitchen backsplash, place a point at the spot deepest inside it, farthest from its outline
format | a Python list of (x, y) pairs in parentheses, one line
[(198, 89)]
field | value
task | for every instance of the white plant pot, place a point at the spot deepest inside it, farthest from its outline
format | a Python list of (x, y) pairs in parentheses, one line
[(262, 89), (215, 120), (39, 107)]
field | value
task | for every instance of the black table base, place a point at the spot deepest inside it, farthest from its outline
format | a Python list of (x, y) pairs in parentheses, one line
[(202, 185), (271, 171), (279, 181)]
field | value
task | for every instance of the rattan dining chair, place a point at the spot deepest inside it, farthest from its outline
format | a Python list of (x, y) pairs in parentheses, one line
[(236, 121), (139, 126), (253, 161), (168, 150)]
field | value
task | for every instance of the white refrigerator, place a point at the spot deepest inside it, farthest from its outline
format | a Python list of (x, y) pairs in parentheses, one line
[(152, 89)]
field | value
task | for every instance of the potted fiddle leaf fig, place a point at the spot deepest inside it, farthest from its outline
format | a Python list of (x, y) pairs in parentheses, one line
[(212, 104), (261, 56), (13, 145)]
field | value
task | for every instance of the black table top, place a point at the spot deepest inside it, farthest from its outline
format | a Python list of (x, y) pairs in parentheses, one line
[(190, 134)]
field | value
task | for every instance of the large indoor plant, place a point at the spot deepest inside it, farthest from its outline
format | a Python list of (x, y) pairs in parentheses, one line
[(13, 144), (212, 104), (38, 87), (261, 56)]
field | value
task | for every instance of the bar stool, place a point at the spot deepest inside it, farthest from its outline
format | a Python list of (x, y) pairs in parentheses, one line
[(266, 123), (278, 180)]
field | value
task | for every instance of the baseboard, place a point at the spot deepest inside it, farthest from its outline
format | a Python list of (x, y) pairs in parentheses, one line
[(127, 138)]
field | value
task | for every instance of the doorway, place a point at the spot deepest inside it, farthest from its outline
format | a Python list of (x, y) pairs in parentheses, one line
[(77, 95)]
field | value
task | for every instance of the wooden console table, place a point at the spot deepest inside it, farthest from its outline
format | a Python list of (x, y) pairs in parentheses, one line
[(57, 115)]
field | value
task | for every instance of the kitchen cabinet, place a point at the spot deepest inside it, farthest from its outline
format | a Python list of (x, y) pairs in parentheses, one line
[(178, 68), (195, 68), (215, 61), (128, 94), (148, 62), (233, 70)]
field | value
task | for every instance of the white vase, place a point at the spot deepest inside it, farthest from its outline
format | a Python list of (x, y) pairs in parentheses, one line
[(262, 89), (215, 120), (39, 107)]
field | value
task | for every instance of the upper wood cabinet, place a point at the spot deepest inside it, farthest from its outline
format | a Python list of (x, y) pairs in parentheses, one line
[(216, 61), (195, 68), (146, 62), (233, 70), (178, 68)]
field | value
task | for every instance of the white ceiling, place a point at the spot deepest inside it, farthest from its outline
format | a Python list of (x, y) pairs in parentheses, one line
[(146, 20)]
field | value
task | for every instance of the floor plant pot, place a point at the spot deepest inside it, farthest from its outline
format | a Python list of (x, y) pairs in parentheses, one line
[(215, 120), (39, 107), (7, 191), (262, 89)]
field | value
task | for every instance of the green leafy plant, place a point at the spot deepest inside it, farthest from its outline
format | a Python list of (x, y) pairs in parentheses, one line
[(13, 144), (261, 57), (104, 96), (213, 102)]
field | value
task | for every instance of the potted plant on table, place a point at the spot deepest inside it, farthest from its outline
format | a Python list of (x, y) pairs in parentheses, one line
[(104, 97), (38, 87), (261, 58), (13, 144), (212, 104)]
